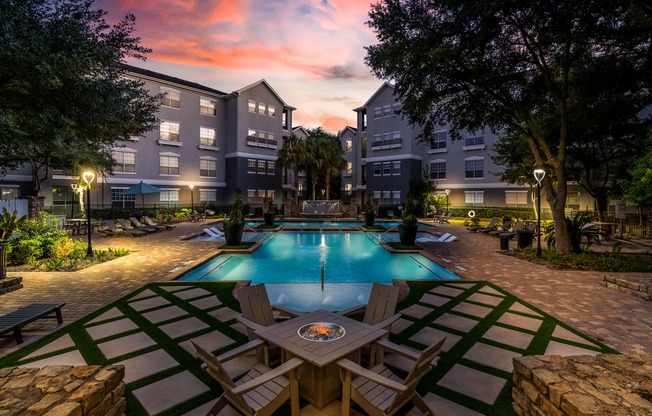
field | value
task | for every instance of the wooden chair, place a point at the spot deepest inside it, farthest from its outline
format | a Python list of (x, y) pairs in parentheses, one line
[(381, 392), (261, 391), (381, 306)]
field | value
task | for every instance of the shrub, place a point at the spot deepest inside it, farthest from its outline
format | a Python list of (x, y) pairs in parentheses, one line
[(67, 247), (54, 264), (22, 249)]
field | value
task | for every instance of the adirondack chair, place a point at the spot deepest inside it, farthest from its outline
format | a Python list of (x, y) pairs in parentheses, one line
[(261, 391), (381, 392)]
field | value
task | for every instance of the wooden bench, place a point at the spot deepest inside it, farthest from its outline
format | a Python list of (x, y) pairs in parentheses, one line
[(17, 319)]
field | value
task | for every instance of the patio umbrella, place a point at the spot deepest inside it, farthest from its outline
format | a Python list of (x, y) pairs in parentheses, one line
[(142, 189)]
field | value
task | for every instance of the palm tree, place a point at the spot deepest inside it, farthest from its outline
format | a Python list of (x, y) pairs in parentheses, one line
[(315, 160), (292, 155), (334, 162)]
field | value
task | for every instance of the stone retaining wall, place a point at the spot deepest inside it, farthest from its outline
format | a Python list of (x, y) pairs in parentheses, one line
[(607, 384), (10, 284), (61, 390), (640, 290)]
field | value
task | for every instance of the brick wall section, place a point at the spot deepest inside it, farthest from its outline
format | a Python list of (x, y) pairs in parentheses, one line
[(60, 390), (638, 289), (606, 384)]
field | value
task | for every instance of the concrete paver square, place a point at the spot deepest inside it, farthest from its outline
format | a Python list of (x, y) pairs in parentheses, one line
[(209, 302), (110, 314), (111, 328), (416, 311), (465, 285), (473, 310), (429, 336), (519, 307), (563, 333), (169, 392), (183, 327), (68, 358), (145, 365), (192, 293), (400, 325), (125, 345), (212, 341), (204, 408), (565, 350), (447, 291), (473, 383), (444, 407), (174, 288), (485, 299), (490, 290), (160, 315), (492, 356), (520, 321), (224, 314), (456, 322), (56, 345), (433, 300), (509, 337), (144, 294), (149, 303)]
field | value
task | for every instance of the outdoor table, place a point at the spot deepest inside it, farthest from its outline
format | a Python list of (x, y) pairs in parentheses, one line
[(320, 382)]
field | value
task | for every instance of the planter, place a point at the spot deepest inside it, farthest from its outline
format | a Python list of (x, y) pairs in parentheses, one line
[(3, 259), (269, 218), (233, 234), (407, 234), (369, 219), (524, 239)]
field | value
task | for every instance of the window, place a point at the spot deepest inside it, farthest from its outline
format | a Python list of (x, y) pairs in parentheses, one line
[(364, 120), (474, 197), (124, 161), (386, 137), (387, 111), (172, 98), (475, 141), (378, 113), (377, 169), (261, 136), (208, 168), (271, 195), (251, 105), (349, 168), (387, 197), (207, 137), (169, 195), (64, 195), (348, 188), (118, 200), (515, 198), (271, 111), (271, 168), (271, 138), (207, 107), (169, 165), (285, 119), (396, 108), (348, 145), (262, 109), (251, 133), (396, 168), (396, 197), (387, 168), (169, 131), (439, 139), (376, 194), (474, 168), (207, 195), (396, 137), (251, 195), (438, 169), (9, 192), (261, 167), (251, 166)]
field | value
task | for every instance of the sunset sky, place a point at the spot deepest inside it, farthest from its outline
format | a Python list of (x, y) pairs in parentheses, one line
[(310, 51)]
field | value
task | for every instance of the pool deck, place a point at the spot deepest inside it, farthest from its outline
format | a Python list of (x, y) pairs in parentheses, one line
[(620, 321)]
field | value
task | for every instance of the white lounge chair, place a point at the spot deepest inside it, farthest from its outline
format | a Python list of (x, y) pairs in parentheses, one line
[(212, 233), (217, 231)]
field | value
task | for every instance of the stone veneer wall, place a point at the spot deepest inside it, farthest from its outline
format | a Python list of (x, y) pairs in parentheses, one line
[(60, 390), (10, 284), (637, 289), (607, 384)]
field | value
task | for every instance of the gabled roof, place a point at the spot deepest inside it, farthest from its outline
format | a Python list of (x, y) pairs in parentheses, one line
[(265, 83), (382, 87), (353, 130), (168, 78), (300, 128)]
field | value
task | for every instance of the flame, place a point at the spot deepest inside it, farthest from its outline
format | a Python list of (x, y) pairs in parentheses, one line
[(321, 329)]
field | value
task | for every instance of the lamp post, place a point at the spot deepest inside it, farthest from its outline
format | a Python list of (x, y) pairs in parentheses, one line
[(539, 174), (88, 177), (448, 191), (192, 200)]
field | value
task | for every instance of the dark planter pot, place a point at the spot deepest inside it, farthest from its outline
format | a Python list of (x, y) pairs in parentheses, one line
[(3, 259), (269, 218), (524, 239), (407, 234), (369, 219), (233, 234)]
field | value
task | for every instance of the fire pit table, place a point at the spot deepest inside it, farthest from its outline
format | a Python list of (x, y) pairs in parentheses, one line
[(321, 338)]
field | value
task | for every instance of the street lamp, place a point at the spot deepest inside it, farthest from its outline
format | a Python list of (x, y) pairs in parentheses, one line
[(448, 191), (192, 200), (88, 177), (539, 174)]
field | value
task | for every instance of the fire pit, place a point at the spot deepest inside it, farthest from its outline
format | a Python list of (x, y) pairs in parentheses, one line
[(321, 331)]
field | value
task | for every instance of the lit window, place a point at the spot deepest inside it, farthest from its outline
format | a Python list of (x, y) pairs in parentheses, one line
[(349, 168), (207, 137), (207, 107), (251, 133), (262, 109), (396, 197), (515, 198), (124, 161), (474, 197), (9, 192), (396, 168), (271, 195), (438, 169), (474, 168), (251, 195), (348, 188), (207, 195), (439, 140), (251, 166), (261, 167), (208, 168), (169, 195), (171, 98), (169, 165), (271, 138), (348, 145), (387, 168), (378, 113), (271, 111), (261, 136), (252, 106), (169, 131), (271, 168), (377, 169)]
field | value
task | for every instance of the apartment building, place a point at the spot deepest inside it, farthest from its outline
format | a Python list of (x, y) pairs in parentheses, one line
[(209, 143)]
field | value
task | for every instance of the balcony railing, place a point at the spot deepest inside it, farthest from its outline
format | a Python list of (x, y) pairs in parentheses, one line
[(261, 142), (386, 144)]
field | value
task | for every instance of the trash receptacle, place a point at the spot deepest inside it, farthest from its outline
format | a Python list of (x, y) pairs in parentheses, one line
[(524, 239), (504, 243)]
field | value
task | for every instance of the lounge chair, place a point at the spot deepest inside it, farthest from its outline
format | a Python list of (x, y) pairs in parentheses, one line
[(445, 217), (151, 223), (378, 390), (444, 238), (504, 227), (514, 229), (532, 228), (214, 232), (125, 226), (192, 217), (113, 230), (261, 391), (491, 226), (138, 225)]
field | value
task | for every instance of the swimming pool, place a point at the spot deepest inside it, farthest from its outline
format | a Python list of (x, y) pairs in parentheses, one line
[(316, 224), (294, 259)]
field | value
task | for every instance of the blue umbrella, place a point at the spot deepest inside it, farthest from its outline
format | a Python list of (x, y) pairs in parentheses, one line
[(142, 189)]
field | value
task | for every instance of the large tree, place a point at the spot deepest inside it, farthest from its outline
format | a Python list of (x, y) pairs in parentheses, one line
[(292, 155), (324, 159), (512, 66), (64, 99)]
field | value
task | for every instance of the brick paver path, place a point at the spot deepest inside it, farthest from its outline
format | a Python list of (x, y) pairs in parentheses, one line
[(576, 298)]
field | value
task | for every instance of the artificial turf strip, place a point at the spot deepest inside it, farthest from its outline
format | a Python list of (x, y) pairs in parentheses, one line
[(223, 290)]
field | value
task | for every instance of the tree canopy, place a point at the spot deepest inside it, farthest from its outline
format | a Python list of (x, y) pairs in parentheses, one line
[(64, 99), (543, 71)]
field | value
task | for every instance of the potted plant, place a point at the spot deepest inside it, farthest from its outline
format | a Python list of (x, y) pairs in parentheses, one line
[(407, 229), (234, 223), (8, 224), (369, 214), (270, 214)]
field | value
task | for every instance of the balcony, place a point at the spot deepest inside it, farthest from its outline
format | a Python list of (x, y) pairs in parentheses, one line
[(387, 144), (260, 142)]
